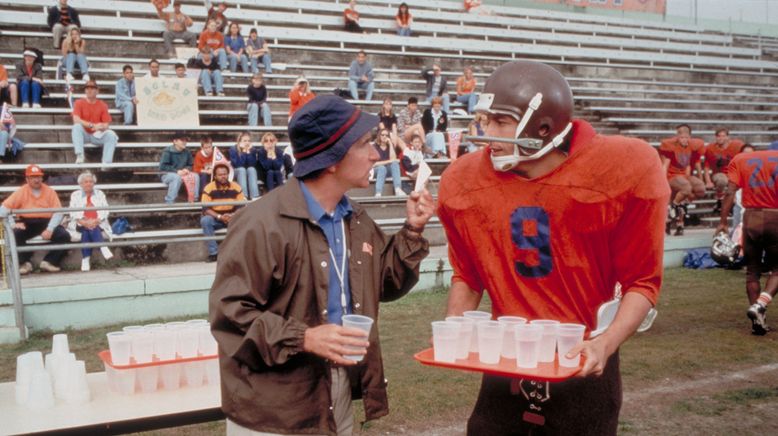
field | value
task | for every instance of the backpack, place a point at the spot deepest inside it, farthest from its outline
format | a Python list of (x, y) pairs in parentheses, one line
[(120, 225)]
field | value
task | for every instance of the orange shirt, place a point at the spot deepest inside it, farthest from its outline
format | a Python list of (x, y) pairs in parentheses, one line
[(717, 158), (213, 40), (297, 100), (3, 73), (465, 86), (351, 15), (23, 198), (756, 173), (555, 246), (681, 157), (404, 20), (201, 162), (94, 113)]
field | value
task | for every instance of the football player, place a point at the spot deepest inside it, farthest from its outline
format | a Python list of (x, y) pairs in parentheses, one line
[(718, 154), (680, 154), (547, 219), (756, 174)]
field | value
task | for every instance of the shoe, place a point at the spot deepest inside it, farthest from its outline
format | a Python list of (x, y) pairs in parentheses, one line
[(400, 193), (211, 258), (377, 194), (45, 266), (69, 77), (25, 105), (85, 264), (85, 77), (25, 268), (79, 159), (36, 105), (220, 94), (678, 231), (106, 252), (671, 212), (756, 313), (461, 112)]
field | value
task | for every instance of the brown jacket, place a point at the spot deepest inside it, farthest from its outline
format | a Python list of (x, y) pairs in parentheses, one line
[(271, 284)]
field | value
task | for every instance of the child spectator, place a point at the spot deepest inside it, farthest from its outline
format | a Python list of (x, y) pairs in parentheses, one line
[(388, 121), (257, 94), (236, 49), (258, 51), (273, 162), (126, 98), (214, 40), (243, 159), (7, 131), (176, 167), (403, 20), (29, 77), (351, 18), (89, 225), (412, 157), (210, 74), (299, 95), (387, 162), (203, 160), (8, 90), (91, 122), (176, 23), (74, 51), (153, 69), (409, 121), (181, 71), (61, 19), (435, 123), (217, 15)]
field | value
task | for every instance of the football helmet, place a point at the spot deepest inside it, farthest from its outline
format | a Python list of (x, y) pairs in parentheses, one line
[(536, 96), (724, 250)]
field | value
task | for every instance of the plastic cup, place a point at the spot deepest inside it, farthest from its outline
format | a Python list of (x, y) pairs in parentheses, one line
[(171, 376), (27, 364), (187, 341), (528, 338), (361, 322), (58, 367), (59, 344), (206, 344), (476, 315), (76, 388), (568, 336), (148, 379), (508, 337), (174, 325), (164, 343), (41, 393), (547, 340), (120, 344), (490, 335), (133, 329), (445, 338), (466, 327), (152, 327), (125, 381), (142, 346), (194, 374)]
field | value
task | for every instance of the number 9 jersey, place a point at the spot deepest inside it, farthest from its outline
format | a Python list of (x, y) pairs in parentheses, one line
[(555, 246)]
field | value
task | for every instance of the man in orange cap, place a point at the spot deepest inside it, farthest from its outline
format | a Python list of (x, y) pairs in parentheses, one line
[(36, 195)]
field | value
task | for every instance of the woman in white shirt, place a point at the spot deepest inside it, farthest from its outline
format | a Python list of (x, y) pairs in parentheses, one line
[(88, 226)]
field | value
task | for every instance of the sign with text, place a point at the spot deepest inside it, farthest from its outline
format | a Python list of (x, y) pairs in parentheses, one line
[(169, 103)]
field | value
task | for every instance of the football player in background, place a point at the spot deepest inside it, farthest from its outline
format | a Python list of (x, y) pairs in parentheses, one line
[(548, 219), (718, 154), (756, 174), (680, 154)]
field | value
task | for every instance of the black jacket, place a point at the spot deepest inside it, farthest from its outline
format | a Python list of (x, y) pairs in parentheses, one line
[(427, 121), (429, 76), (55, 15)]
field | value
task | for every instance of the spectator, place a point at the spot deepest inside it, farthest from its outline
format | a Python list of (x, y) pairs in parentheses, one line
[(176, 167), (62, 18), (387, 162), (210, 74), (351, 18), (243, 159), (236, 49), (412, 157), (8, 90), (466, 85), (126, 98), (258, 51), (273, 162), (176, 23), (36, 195), (475, 7), (436, 85), (388, 121), (435, 123), (74, 51), (181, 71), (680, 155), (257, 94), (203, 160), (360, 76), (7, 131), (477, 127), (718, 154), (299, 95), (218, 217), (404, 19), (29, 77), (214, 40), (217, 15), (153, 69), (89, 225), (409, 121), (91, 124)]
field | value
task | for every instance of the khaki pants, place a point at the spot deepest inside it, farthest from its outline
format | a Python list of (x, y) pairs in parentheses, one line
[(341, 408), (59, 31)]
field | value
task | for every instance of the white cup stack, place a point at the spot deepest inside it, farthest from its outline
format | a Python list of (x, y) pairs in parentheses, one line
[(27, 365)]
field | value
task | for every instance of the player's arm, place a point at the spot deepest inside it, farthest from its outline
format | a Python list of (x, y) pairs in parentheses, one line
[(726, 207), (461, 299)]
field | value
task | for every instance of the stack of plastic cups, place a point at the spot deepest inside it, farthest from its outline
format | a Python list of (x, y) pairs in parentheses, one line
[(76, 388), (208, 347), (27, 365), (509, 339), (189, 341), (143, 352), (58, 363), (476, 316), (466, 327), (165, 344), (547, 339), (41, 394), (120, 345)]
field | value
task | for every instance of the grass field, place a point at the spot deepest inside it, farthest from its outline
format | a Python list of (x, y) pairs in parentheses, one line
[(697, 371)]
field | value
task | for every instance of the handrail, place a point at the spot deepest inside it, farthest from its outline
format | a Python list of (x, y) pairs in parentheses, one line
[(12, 262)]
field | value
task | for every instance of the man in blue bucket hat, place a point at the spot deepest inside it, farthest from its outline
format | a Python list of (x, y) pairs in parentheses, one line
[(292, 265)]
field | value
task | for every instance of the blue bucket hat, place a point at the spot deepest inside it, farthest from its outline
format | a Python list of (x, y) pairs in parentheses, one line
[(324, 130), (774, 145)]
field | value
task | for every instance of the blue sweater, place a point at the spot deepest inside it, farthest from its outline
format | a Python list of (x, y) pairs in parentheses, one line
[(243, 160)]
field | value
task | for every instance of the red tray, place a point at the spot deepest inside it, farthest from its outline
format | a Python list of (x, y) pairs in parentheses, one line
[(105, 356), (507, 367)]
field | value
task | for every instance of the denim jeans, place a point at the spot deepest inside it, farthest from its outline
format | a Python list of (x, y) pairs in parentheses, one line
[(247, 179), (403, 31), (70, 63), (168, 36), (380, 176), (210, 225), (128, 109), (265, 59), (353, 87), (446, 101), (174, 182), (94, 235), (273, 179), (210, 79), (31, 91), (3, 142), (469, 99), (244, 62), (253, 109), (108, 141), (436, 141)]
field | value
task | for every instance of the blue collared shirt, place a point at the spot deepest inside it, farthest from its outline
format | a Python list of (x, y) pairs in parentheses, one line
[(331, 225)]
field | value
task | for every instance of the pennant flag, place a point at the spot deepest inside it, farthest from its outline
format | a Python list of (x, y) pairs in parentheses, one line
[(218, 157)]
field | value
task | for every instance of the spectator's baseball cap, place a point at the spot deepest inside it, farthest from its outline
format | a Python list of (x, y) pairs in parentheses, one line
[(300, 80), (180, 134), (33, 170), (323, 130), (30, 53), (91, 84)]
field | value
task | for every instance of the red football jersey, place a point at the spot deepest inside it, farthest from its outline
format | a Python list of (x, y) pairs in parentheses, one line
[(717, 158), (555, 246), (681, 157), (756, 173)]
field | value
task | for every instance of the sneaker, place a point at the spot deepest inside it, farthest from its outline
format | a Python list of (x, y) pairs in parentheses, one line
[(460, 112), (221, 94), (85, 264), (400, 193), (79, 159), (106, 252), (25, 105), (36, 105), (377, 194), (211, 258), (678, 231), (46, 266), (756, 313), (69, 77), (25, 268), (85, 77)]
